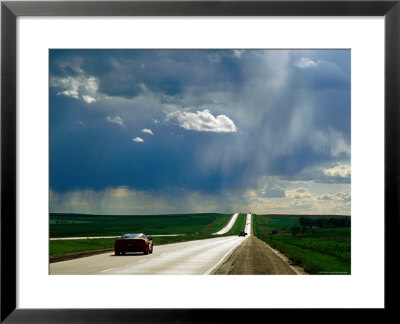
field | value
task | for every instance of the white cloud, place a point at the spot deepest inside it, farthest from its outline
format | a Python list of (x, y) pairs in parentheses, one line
[(340, 170), (147, 131), (88, 99), (304, 63), (325, 68), (69, 93), (202, 121), (115, 120), (138, 140), (80, 86)]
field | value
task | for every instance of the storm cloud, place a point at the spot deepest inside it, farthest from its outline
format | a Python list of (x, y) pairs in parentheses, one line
[(212, 122)]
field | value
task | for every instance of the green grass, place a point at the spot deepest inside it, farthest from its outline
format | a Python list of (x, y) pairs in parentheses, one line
[(64, 248), (317, 250), (238, 226), (79, 225)]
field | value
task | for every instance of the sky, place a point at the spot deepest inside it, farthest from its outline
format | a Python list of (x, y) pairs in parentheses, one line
[(187, 131)]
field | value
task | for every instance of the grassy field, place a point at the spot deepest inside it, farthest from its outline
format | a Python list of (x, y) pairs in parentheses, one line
[(319, 250), (67, 248), (238, 226), (193, 226), (78, 225)]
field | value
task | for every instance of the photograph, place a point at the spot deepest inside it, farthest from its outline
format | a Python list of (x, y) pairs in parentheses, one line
[(159, 157), (199, 161)]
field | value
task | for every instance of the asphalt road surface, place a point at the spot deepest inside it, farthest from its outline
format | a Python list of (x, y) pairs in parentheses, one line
[(229, 225), (220, 255), (247, 227), (193, 257)]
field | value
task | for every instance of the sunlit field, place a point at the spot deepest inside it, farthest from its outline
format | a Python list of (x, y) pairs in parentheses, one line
[(321, 246)]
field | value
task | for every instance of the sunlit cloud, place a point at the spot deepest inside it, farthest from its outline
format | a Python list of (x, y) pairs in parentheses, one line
[(147, 131), (80, 86), (138, 140), (202, 121), (340, 170), (88, 99)]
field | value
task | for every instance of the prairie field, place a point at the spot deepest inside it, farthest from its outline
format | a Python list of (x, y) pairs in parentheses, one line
[(321, 246), (82, 225)]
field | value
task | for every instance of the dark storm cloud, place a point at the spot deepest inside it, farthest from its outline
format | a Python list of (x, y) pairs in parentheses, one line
[(283, 119), (124, 73)]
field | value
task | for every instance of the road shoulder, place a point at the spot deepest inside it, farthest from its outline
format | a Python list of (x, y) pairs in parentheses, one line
[(256, 257)]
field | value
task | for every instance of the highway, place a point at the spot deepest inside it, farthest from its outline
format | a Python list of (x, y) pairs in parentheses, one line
[(247, 227), (196, 257), (228, 226)]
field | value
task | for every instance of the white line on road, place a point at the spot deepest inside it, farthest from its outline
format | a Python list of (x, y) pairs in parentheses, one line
[(247, 229), (226, 255), (107, 270)]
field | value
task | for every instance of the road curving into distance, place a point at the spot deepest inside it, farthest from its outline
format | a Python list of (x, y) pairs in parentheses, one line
[(224, 230), (219, 255), (229, 225)]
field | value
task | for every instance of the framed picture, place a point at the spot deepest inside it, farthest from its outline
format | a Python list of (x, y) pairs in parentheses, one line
[(282, 99)]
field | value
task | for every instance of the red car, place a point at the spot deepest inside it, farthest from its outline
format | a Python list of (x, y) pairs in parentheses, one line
[(136, 242)]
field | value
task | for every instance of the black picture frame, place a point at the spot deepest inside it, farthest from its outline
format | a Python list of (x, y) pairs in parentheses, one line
[(10, 10)]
